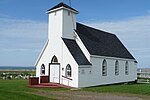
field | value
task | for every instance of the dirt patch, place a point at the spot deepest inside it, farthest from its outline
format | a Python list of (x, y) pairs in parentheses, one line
[(84, 95)]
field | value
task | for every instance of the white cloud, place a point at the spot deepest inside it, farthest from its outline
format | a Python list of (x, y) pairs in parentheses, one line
[(134, 33), (22, 32), (22, 28), (23, 36)]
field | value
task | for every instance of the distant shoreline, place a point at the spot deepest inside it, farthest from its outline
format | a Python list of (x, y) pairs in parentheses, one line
[(17, 71), (17, 68)]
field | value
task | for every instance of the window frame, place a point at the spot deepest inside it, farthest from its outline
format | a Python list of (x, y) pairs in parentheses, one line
[(43, 69), (68, 71), (69, 13), (55, 13), (126, 68), (104, 68), (54, 59), (117, 67)]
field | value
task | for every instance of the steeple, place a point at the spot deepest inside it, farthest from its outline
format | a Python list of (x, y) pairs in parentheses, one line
[(64, 6), (62, 21)]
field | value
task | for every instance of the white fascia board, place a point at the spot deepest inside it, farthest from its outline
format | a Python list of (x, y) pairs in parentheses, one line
[(85, 66), (114, 58), (41, 53), (62, 8), (87, 52)]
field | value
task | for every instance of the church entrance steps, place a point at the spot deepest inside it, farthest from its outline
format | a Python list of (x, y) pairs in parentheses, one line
[(49, 85)]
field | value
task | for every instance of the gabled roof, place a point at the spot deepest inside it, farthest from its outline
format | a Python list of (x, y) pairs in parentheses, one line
[(102, 43), (76, 52), (62, 5)]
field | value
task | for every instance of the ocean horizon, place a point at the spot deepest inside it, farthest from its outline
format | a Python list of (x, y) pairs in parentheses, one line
[(17, 67)]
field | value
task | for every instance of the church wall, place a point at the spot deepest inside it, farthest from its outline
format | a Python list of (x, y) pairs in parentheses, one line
[(67, 58), (69, 24), (55, 24), (95, 77), (54, 46), (60, 25), (45, 59)]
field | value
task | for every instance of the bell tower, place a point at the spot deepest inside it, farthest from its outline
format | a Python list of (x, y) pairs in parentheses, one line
[(62, 21)]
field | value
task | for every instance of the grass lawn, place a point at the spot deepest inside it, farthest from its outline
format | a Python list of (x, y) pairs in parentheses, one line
[(141, 89), (17, 89)]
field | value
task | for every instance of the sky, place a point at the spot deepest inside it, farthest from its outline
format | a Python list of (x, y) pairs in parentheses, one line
[(23, 26)]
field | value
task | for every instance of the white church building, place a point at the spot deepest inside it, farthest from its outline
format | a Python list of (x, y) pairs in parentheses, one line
[(79, 56)]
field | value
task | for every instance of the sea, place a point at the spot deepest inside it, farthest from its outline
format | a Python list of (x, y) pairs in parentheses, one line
[(17, 67)]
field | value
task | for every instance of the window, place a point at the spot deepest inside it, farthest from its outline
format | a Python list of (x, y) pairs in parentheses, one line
[(54, 60), (69, 13), (117, 68), (90, 72), (126, 68), (55, 13), (43, 69), (68, 71), (104, 68)]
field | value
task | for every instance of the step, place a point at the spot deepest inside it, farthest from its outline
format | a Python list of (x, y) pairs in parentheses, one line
[(40, 86), (50, 85)]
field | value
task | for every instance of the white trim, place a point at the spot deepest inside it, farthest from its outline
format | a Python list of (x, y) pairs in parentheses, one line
[(85, 67), (42, 51), (81, 44), (115, 58), (62, 8)]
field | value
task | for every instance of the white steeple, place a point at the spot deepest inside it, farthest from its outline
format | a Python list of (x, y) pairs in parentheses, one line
[(62, 21)]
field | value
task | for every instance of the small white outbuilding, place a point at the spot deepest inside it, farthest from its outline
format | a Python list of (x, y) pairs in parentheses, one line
[(77, 55)]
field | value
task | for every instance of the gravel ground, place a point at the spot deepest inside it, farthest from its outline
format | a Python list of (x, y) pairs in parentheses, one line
[(83, 95)]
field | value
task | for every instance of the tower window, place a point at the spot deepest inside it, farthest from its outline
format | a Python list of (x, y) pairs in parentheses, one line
[(69, 13), (55, 13)]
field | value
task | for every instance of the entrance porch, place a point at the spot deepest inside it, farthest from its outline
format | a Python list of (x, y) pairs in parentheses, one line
[(44, 83)]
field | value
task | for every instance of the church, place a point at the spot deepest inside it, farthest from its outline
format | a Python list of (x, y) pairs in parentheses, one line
[(78, 55)]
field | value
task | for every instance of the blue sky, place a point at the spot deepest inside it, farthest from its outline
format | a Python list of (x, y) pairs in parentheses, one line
[(23, 26)]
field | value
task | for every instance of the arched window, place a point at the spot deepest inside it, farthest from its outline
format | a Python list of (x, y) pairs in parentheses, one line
[(43, 69), (126, 68), (117, 68), (54, 60), (104, 68), (68, 71)]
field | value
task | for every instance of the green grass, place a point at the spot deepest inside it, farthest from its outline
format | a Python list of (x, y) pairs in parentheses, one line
[(18, 90), (142, 89)]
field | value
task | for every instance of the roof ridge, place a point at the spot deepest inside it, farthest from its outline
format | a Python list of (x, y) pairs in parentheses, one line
[(62, 4), (94, 28)]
